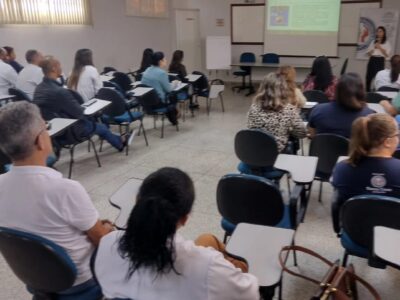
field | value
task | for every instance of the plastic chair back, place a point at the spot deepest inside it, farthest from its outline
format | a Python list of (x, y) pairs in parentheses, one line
[(19, 95), (249, 199), (201, 85), (344, 66), (41, 264), (123, 81), (328, 147), (149, 100), (256, 148), (108, 70), (388, 89), (375, 97), (118, 104), (316, 96), (270, 58), (359, 215), (247, 57)]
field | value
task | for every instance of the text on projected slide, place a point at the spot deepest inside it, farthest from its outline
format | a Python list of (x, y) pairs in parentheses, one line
[(303, 15)]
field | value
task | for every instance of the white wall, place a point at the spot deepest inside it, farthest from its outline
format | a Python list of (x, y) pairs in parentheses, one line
[(210, 10), (116, 40)]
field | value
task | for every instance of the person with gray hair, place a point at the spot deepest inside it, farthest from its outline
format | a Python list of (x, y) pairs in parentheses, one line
[(48, 205), (272, 112), (8, 76), (30, 76)]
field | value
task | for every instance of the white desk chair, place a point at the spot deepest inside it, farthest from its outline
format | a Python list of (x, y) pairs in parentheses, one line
[(216, 91)]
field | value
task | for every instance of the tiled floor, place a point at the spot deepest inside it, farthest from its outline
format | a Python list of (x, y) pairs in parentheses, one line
[(204, 148)]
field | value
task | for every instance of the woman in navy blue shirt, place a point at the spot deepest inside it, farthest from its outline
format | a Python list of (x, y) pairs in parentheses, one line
[(370, 169), (336, 117)]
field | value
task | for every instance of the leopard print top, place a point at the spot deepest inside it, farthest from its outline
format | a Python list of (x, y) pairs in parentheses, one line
[(281, 124)]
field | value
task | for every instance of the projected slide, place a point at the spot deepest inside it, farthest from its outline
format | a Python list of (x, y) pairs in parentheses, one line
[(297, 15), (302, 27)]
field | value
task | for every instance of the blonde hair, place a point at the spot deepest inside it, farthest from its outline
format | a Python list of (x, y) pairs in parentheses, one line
[(289, 73), (369, 132), (273, 93)]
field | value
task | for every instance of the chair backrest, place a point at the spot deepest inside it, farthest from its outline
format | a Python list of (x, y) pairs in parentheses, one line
[(270, 58), (256, 148), (388, 89), (247, 57), (316, 96), (4, 160), (149, 100), (328, 147), (201, 84), (344, 66), (249, 199), (359, 215), (118, 105), (375, 97), (19, 95), (108, 70), (122, 80), (217, 86), (41, 264)]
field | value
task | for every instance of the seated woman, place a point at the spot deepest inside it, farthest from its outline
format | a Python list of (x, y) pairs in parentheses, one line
[(156, 77), (176, 65), (370, 169), (85, 78), (150, 260), (389, 77), (336, 117), (321, 78), (295, 95), (272, 112)]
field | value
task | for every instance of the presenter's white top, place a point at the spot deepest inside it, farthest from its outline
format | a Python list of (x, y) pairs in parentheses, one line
[(383, 79), (38, 200), (29, 78), (378, 52), (8, 77), (204, 275), (89, 83)]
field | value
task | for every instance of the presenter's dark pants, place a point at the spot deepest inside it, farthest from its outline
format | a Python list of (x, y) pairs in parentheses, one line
[(375, 64)]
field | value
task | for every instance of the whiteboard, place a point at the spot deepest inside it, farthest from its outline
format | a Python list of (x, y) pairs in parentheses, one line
[(350, 19), (247, 24), (218, 53)]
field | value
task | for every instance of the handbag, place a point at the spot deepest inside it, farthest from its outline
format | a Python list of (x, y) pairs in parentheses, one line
[(339, 283)]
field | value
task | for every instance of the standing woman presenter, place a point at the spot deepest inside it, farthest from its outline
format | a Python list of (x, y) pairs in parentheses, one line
[(378, 51)]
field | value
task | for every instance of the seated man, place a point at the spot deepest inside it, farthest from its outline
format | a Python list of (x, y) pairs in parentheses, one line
[(50, 206), (30, 76), (55, 101), (8, 76)]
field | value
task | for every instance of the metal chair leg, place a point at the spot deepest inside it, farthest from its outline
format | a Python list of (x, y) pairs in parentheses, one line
[(95, 152), (222, 103), (88, 147), (345, 258), (208, 101), (225, 237), (126, 136), (162, 126), (144, 132), (71, 161), (101, 145), (320, 192)]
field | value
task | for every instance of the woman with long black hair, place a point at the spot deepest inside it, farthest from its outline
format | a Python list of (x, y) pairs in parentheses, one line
[(321, 78), (378, 51), (150, 260)]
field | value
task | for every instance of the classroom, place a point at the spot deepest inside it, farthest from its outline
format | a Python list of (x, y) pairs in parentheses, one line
[(199, 149)]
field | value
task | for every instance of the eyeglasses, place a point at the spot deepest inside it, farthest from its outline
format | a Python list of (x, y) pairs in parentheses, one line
[(46, 127)]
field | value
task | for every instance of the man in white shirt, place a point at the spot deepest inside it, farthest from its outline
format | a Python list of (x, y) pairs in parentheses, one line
[(8, 76), (389, 77), (36, 199), (30, 76)]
